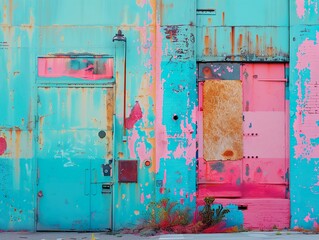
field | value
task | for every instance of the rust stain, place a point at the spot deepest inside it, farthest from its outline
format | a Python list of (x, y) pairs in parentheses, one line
[(109, 122), (207, 45), (171, 33), (270, 49), (228, 153), (4, 13), (10, 11), (215, 42), (222, 121), (120, 155), (223, 18), (209, 21), (257, 46), (40, 138), (17, 142), (240, 43), (232, 42), (207, 72)]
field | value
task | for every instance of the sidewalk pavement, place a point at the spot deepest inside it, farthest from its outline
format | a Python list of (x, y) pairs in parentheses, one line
[(105, 236)]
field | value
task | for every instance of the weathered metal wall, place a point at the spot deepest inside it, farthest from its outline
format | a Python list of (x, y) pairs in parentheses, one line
[(164, 40), (161, 82), (17, 163), (304, 51), (243, 30)]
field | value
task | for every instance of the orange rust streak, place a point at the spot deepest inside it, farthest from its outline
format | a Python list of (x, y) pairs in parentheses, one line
[(17, 143), (223, 18), (11, 11), (240, 43), (207, 43), (232, 42), (257, 46), (109, 122), (215, 42)]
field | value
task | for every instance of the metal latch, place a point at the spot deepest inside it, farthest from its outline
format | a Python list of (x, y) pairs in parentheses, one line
[(107, 188)]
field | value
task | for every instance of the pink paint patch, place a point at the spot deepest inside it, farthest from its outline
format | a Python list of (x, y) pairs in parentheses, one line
[(308, 218), (300, 8), (135, 115), (3, 145), (93, 69), (142, 198)]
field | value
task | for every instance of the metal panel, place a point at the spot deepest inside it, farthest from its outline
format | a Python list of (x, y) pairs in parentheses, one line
[(264, 87), (265, 44), (222, 121), (86, 68), (245, 13), (70, 157), (127, 171), (221, 71)]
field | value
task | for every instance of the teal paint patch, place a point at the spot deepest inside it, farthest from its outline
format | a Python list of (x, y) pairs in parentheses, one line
[(235, 217), (16, 195)]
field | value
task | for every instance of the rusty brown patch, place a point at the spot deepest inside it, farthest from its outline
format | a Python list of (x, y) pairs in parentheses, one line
[(240, 43), (228, 153), (207, 72), (257, 46), (215, 42), (207, 45), (109, 122), (171, 33), (223, 18), (222, 124), (232, 42)]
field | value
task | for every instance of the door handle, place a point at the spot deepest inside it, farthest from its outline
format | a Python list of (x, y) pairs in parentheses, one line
[(107, 188)]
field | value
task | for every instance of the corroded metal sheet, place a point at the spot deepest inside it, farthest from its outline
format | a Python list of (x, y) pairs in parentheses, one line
[(223, 125)]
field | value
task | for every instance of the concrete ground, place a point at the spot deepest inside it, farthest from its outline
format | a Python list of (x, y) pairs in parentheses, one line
[(103, 236)]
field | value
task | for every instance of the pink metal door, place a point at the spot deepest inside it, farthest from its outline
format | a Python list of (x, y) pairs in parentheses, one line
[(257, 181)]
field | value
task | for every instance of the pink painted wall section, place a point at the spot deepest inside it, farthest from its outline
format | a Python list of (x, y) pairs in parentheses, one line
[(262, 214), (83, 68), (259, 180)]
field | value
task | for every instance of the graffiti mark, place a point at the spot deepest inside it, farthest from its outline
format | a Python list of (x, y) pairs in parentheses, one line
[(3, 145), (135, 115)]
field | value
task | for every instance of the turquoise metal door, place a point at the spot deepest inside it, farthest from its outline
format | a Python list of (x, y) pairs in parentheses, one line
[(75, 132)]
